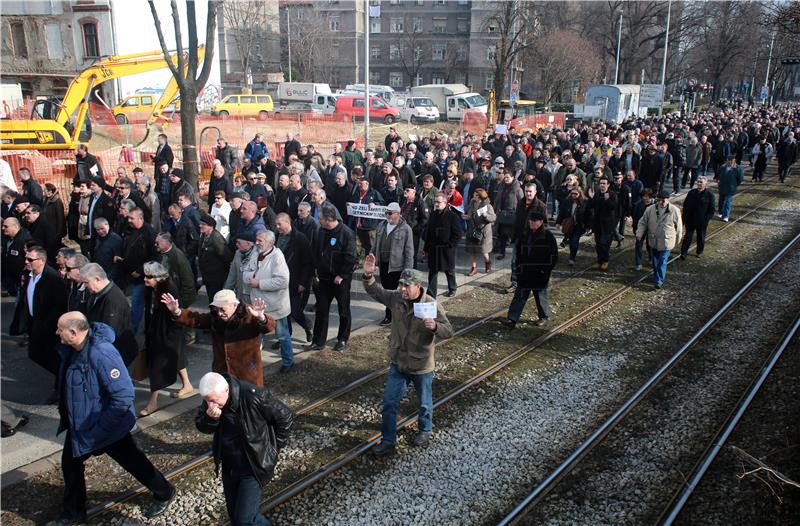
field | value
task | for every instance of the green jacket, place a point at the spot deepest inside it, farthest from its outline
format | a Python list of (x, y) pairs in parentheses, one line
[(180, 272), (411, 345)]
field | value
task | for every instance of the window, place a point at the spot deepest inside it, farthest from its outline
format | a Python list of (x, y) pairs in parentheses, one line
[(333, 23), (55, 47), (18, 37), (375, 52), (463, 2), (420, 2), (233, 99), (132, 102), (491, 29), (336, 79), (418, 79), (396, 25), (263, 100), (374, 2), (490, 81), (438, 78), (375, 25), (416, 25), (335, 47), (394, 52), (147, 101), (462, 26), (91, 47), (439, 25), (247, 99), (377, 104), (491, 53), (396, 79), (439, 51), (418, 54), (461, 54), (374, 77), (441, 2), (358, 103), (394, 2)]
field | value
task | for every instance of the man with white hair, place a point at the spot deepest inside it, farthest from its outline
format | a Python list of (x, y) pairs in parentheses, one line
[(270, 282), (250, 427), (108, 304)]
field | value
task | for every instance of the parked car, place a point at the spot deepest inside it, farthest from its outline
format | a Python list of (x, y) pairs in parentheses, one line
[(417, 109), (243, 105), (353, 106), (139, 107)]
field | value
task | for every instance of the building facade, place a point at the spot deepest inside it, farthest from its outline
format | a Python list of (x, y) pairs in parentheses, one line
[(46, 44)]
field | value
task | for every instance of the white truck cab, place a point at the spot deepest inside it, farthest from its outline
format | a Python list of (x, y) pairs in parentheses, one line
[(417, 109)]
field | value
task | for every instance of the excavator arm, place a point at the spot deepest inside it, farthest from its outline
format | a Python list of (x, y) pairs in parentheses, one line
[(64, 130), (169, 94)]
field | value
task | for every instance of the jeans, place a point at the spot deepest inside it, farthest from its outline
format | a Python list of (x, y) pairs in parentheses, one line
[(637, 253), (396, 385), (689, 175), (521, 298), (574, 242), (125, 453), (284, 337), (326, 292), (701, 238), (725, 205), (433, 282), (242, 499), (552, 203), (137, 305), (658, 258), (603, 246)]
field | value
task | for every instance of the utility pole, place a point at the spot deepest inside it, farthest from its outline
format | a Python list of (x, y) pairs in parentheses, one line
[(664, 65), (769, 60), (289, 39), (619, 44), (366, 73)]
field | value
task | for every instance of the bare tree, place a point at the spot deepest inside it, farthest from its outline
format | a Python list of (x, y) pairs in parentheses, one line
[(455, 60), (412, 49), (515, 24), (571, 61), (247, 21), (311, 50), (190, 82)]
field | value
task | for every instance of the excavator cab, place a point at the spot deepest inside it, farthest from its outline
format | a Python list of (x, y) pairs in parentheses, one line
[(48, 109)]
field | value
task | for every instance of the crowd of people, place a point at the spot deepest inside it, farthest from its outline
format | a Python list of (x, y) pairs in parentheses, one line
[(133, 256)]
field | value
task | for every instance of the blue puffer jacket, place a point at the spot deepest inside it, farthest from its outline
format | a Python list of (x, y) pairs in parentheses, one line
[(98, 393)]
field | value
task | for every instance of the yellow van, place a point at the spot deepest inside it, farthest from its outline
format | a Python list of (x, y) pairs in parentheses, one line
[(138, 108), (254, 105)]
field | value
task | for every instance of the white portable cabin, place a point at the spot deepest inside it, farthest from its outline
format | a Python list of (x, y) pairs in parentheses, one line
[(618, 101)]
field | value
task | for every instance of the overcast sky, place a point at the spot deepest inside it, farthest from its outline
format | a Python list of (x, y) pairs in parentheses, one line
[(136, 33)]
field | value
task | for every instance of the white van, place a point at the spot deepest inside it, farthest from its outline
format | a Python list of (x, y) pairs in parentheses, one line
[(387, 93), (417, 109)]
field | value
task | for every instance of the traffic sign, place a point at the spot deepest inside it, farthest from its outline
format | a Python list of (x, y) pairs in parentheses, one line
[(512, 101), (764, 93), (650, 95), (692, 82), (515, 86)]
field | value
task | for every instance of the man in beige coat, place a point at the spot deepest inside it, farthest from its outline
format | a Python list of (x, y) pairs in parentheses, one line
[(411, 349), (663, 226)]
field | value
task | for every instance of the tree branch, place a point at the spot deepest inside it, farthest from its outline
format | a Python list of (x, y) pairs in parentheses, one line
[(162, 42), (176, 22), (211, 35)]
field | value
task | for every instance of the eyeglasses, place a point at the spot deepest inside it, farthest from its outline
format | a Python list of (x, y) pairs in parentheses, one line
[(219, 198), (390, 213), (31, 260), (148, 276), (70, 269)]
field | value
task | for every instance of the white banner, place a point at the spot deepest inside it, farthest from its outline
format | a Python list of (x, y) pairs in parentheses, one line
[(364, 210)]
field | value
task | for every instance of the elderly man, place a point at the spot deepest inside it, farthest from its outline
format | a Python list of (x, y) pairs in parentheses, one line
[(14, 239), (663, 227), (219, 182), (107, 249), (297, 252), (125, 190), (138, 247), (250, 427), (79, 294), (270, 282), (307, 224), (698, 209), (393, 251), (243, 266), (180, 186), (108, 304), (180, 272), (236, 331), (441, 238), (251, 221), (43, 300), (411, 351), (97, 415), (295, 195), (214, 258), (101, 205)]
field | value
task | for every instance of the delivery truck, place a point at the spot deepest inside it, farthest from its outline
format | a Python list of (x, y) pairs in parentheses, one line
[(319, 95), (451, 99)]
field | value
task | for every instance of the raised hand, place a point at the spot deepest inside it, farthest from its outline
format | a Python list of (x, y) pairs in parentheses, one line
[(256, 308), (170, 302), (369, 265)]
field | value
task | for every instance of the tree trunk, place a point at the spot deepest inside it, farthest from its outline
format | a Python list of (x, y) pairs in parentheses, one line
[(191, 164)]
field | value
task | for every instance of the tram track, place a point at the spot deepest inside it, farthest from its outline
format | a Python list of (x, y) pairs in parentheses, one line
[(580, 456)]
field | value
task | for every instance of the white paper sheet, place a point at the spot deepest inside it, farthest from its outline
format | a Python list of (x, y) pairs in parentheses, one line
[(425, 310)]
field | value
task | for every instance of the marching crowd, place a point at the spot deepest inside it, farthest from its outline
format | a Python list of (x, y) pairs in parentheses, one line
[(117, 260)]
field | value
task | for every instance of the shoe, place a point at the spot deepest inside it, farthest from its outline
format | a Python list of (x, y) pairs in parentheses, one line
[(316, 347), (340, 346), (181, 394), (422, 438), (147, 411), (158, 507), (683, 257), (309, 335), (541, 321), (286, 368), (512, 289), (53, 399), (472, 271), (449, 294), (637, 268), (698, 254), (725, 219), (659, 286), (571, 262), (9, 431), (603, 266), (596, 266), (501, 256), (719, 216), (384, 322), (487, 268), (382, 449), (563, 244), (511, 324)]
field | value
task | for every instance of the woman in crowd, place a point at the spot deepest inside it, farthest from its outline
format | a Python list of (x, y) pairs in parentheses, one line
[(480, 217)]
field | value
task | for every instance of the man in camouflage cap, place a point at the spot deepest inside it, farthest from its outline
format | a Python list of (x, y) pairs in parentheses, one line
[(411, 348)]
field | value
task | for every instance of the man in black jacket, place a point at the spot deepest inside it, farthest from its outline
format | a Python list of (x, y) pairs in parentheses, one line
[(30, 188), (698, 209), (163, 154), (43, 234), (125, 190), (441, 238), (214, 257), (14, 239), (334, 255), (138, 248), (603, 204), (652, 168), (531, 203), (219, 182), (296, 250), (101, 205), (415, 212), (226, 155), (108, 304), (87, 167), (250, 427)]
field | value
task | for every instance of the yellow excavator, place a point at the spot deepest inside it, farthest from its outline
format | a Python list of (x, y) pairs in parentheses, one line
[(63, 124)]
